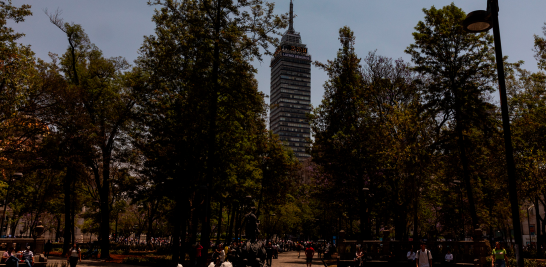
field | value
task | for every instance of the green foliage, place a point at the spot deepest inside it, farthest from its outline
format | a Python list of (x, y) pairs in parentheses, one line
[(540, 50), (147, 261)]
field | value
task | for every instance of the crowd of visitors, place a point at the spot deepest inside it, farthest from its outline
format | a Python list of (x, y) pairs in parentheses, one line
[(229, 255), (423, 257)]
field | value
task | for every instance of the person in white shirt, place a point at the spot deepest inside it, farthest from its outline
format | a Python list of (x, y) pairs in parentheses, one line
[(411, 257), (449, 257), (423, 257)]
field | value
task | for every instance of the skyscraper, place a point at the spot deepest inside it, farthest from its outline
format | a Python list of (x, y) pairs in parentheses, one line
[(291, 91)]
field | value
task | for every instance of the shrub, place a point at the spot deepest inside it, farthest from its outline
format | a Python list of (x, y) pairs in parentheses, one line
[(147, 261)]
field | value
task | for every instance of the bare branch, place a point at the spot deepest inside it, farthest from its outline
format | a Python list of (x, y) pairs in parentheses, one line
[(56, 19)]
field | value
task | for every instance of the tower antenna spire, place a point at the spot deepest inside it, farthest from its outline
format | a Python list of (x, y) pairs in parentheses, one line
[(291, 26)]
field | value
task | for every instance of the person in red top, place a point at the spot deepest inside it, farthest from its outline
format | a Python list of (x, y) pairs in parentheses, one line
[(198, 249), (309, 253)]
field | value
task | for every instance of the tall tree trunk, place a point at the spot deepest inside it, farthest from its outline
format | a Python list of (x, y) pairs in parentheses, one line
[(537, 226), (67, 204), (58, 228), (231, 222), (177, 221), (364, 221), (415, 219), (73, 212), (464, 160), (105, 205), (194, 223), (219, 232), (183, 225), (237, 223), (212, 146)]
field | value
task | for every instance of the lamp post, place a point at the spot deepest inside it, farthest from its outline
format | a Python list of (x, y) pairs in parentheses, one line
[(37, 233), (483, 21), (14, 177), (529, 223)]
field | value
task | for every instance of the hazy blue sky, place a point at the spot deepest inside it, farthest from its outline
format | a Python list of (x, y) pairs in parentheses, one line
[(117, 27)]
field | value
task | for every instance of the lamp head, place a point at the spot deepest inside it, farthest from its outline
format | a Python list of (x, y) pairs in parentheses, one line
[(17, 175), (478, 21)]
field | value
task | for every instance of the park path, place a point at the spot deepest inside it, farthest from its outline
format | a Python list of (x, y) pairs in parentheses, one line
[(286, 259), (290, 259), (92, 262)]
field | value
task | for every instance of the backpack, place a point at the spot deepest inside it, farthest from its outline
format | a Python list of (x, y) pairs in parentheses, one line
[(419, 252)]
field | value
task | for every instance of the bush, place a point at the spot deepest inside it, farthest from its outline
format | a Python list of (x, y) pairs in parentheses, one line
[(148, 261), (526, 262)]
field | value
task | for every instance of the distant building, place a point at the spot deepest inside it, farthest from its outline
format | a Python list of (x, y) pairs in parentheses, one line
[(291, 91)]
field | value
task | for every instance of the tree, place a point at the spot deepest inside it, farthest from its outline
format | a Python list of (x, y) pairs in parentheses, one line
[(540, 49), (460, 69), (340, 134), (101, 95), (202, 115)]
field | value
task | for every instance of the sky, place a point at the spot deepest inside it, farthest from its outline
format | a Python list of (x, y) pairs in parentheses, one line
[(117, 27)]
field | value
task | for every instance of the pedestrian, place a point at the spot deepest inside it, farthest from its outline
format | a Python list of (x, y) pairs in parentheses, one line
[(411, 257), (298, 249), (359, 257), (269, 254), (28, 257), (423, 256), (74, 255), (499, 257), (309, 253), (222, 253), (47, 248), (449, 257), (217, 256), (198, 249)]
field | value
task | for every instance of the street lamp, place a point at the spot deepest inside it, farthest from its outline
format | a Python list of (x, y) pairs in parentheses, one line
[(15, 176), (482, 21), (529, 222)]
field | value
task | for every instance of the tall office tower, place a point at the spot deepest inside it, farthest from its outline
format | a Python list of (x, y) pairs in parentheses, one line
[(291, 91)]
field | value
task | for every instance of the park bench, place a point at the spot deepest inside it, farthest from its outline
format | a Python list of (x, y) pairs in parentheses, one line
[(39, 261)]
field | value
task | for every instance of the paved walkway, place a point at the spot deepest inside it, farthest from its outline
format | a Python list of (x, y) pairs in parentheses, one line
[(59, 261), (286, 259), (290, 259)]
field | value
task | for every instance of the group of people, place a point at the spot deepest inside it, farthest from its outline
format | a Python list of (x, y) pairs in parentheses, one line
[(423, 257), (154, 241), (228, 255), (12, 258)]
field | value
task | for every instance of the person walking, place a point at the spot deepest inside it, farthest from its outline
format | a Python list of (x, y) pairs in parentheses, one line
[(309, 253), (74, 255), (298, 248), (47, 248), (423, 257), (269, 254), (411, 257), (499, 257), (198, 249)]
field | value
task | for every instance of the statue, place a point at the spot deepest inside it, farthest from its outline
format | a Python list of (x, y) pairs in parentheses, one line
[(251, 225), (251, 254)]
